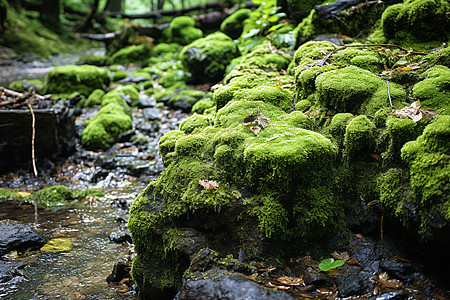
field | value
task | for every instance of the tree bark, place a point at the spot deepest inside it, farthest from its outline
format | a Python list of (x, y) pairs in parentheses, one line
[(49, 13), (114, 6), (87, 24)]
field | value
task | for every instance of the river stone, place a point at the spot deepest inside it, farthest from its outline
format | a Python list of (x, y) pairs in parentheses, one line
[(10, 275), (227, 289), (121, 236), (17, 236)]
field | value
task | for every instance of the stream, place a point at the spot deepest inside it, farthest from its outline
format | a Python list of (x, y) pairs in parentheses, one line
[(121, 173)]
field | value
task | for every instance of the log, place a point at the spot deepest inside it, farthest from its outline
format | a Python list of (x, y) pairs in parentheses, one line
[(327, 11)]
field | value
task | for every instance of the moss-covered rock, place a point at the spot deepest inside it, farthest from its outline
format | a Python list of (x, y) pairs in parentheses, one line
[(202, 105), (234, 24), (130, 54), (434, 90), (95, 98), (429, 164), (182, 31), (52, 196), (207, 58), (424, 19), (359, 139), (24, 85), (105, 127), (83, 79)]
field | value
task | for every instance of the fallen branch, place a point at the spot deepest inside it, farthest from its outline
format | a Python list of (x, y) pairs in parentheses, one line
[(10, 97), (33, 136), (389, 95)]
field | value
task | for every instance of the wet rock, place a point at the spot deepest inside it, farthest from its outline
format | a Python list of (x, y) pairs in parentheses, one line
[(182, 105), (151, 114), (227, 289), (354, 284), (16, 236), (145, 101), (120, 271), (10, 275), (122, 236), (404, 271)]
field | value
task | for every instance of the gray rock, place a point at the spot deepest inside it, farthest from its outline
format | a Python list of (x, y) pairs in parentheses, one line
[(17, 236)]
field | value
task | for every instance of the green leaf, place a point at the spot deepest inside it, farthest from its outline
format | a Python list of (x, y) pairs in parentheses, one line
[(401, 62), (329, 263), (251, 33), (258, 1), (273, 18)]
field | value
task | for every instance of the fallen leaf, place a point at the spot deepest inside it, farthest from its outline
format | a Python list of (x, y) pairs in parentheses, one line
[(268, 270), (307, 261), (414, 112), (292, 281), (252, 278), (282, 287), (352, 262), (262, 120), (342, 256), (208, 184), (255, 130)]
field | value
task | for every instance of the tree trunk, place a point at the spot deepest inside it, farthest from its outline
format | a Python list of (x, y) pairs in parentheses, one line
[(114, 6), (88, 22), (49, 14), (160, 4)]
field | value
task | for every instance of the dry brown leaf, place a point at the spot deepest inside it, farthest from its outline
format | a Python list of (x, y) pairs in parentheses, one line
[(208, 184), (307, 261), (292, 281), (342, 256), (255, 130), (253, 277), (352, 262), (391, 284), (268, 270), (282, 287)]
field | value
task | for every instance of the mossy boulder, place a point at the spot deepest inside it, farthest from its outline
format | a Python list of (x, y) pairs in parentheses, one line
[(95, 98), (102, 130), (24, 85), (202, 105), (429, 165), (130, 54), (434, 90), (53, 196), (182, 31), (424, 19), (83, 79), (234, 24), (276, 182), (207, 58)]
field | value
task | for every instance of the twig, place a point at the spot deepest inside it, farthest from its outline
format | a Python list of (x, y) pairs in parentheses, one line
[(389, 94), (33, 134), (381, 229)]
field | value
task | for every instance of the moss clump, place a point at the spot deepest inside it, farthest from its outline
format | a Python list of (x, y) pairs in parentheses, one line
[(83, 79), (428, 160), (182, 31), (195, 122), (130, 54), (24, 85), (95, 98), (207, 58), (52, 196), (234, 24), (202, 105), (434, 90), (400, 131), (105, 127), (166, 48), (362, 58), (337, 127), (424, 19), (119, 75), (359, 139)]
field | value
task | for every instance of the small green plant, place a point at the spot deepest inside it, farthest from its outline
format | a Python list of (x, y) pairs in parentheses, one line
[(260, 19), (330, 263)]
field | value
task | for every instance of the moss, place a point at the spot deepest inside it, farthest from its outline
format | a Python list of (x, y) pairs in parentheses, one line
[(174, 79), (119, 75), (207, 58), (164, 48), (362, 58), (130, 54), (105, 126), (24, 85), (95, 98), (182, 31), (336, 128), (312, 51), (274, 95), (428, 160), (359, 139), (114, 97), (434, 90), (201, 105), (195, 122), (83, 79), (303, 105), (167, 144), (400, 131), (234, 24), (344, 90), (306, 79), (88, 192), (90, 59), (424, 19), (52, 196)]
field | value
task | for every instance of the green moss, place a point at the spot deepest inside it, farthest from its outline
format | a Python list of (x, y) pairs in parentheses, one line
[(130, 54), (424, 19), (306, 79), (167, 144), (83, 79), (434, 90), (105, 126), (88, 192), (52, 196), (95, 98), (201, 105), (207, 58), (165, 48), (362, 58), (182, 31), (24, 85), (428, 160), (359, 139), (312, 51), (400, 131), (119, 75), (234, 24), (174, 79), (344, 90), (274, 95), (303, 105), (336, 128), (195, 122)]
